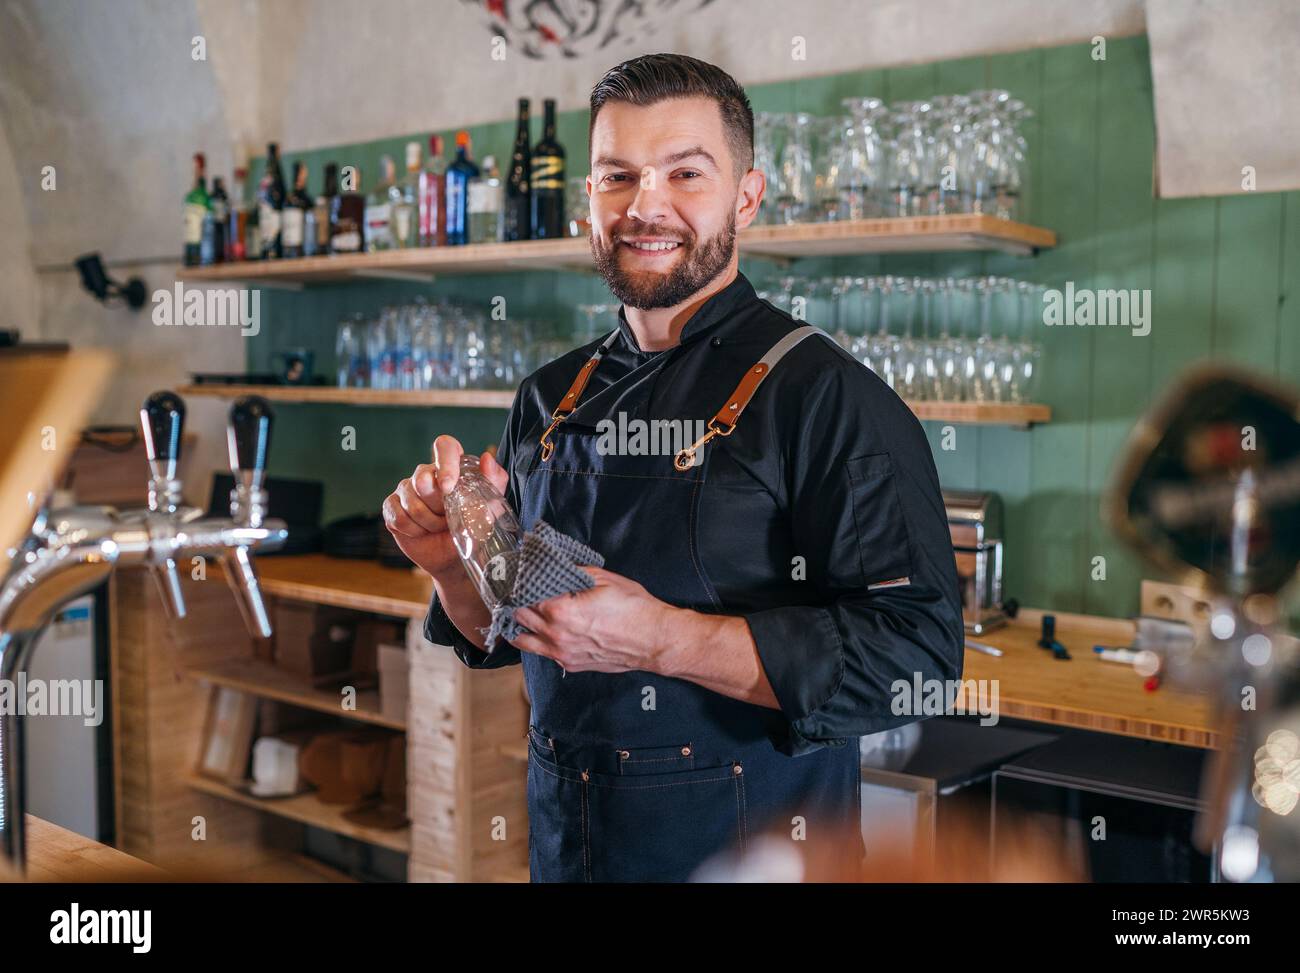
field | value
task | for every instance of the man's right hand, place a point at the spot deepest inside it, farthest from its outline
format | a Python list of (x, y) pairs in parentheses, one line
[(415, 515)]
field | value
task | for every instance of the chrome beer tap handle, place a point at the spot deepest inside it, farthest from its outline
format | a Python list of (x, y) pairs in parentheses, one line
[(249, 439), (162, 420)]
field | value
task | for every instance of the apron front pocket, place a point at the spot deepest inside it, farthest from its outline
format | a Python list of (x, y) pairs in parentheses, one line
[(638, 761), (659, 827), (557, 819)]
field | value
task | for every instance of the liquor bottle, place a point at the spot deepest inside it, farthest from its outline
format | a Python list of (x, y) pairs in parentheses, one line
[(486, 196), (237, 221), (459, 175), (197, 206), (294, 215), (547, 184), (379, 209), (325, 207), (516, 221), (212, 250), (348, 215), (433, 196), (270, 206), (406, 201)]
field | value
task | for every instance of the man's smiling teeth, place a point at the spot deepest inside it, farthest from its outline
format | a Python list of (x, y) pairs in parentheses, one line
[(652, 246)]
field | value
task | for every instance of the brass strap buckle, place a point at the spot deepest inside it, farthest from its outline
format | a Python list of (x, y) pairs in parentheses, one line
[(685, 458), (548, 447)]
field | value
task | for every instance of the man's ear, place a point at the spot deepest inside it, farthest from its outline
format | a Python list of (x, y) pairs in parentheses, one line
[(749, 197)]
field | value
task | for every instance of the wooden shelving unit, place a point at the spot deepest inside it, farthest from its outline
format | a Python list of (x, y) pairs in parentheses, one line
[(346, 583), (976, 413), (307, 809), (924, 234), (263, 679)]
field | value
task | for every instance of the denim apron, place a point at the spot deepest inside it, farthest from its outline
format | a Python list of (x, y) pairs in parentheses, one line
[(634, 776)]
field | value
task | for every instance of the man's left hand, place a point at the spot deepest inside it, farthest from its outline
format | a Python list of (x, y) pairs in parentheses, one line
[(617, 626)]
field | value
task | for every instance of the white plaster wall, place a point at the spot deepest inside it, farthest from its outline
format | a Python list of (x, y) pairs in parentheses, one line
[(20, 309), (351, 72)]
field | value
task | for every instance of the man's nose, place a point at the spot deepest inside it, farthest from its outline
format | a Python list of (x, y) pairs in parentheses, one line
[(650, 204)]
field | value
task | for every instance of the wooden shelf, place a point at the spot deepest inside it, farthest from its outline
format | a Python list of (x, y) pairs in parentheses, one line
[(898, 234), (346, 583), (983, 413), (308, 809), (923, 234), (457, 398), (263, 679)]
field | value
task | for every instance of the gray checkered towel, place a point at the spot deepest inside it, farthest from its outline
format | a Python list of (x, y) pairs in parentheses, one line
[(547, 566)]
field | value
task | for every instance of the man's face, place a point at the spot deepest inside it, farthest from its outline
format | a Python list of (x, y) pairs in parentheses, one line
[(663, 194)]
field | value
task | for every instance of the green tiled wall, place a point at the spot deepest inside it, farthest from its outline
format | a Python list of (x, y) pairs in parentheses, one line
[(1220, 270)]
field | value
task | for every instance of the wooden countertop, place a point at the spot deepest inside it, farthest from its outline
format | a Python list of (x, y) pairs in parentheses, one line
[(55, 854), (1085, 692), (346, 583)]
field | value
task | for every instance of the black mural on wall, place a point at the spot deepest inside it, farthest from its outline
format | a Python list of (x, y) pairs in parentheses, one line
[(572, 28)]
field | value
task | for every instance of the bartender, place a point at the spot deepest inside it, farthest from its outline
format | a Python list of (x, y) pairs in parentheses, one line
[(768, 577)]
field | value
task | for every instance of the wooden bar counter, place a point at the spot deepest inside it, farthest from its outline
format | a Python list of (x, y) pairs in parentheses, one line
[(1085, 692), (55, 854)]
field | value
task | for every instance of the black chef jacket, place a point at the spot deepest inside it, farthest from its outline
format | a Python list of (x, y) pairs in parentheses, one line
[(825, 489)]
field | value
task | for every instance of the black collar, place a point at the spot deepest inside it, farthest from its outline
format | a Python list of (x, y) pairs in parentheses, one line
[(718, 308)]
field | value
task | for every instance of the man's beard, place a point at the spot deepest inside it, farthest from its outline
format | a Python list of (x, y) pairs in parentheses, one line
[(646, 289)]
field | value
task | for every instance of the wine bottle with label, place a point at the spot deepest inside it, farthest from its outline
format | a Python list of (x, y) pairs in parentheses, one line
[(433, 196), (485, 198), (517, 215), (237, 221), (460, 174), (348, 214), (379, 209), (547, 185), (213, 248), (294, 215), (325, 207), (197, 207), (270, 206), (406, 201)]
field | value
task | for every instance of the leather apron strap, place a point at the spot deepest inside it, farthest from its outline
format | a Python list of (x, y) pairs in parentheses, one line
[(570, 400), (724, 423)]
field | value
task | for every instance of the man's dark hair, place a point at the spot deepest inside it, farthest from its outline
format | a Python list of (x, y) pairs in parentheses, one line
[(653, 78)]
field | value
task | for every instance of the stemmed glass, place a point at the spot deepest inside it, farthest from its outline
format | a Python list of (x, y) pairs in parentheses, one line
[(907, 171), (795, 194), (830, 155), (766, 130), (862, 172)]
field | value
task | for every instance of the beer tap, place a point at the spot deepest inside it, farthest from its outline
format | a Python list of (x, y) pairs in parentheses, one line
[(1209, 488), (71, 551), (162, 420)]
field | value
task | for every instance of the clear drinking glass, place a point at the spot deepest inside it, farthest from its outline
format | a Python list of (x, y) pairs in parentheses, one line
[(795, 197), (830, 155), (862, 169), (766, 127), (485, 531), (350, 360), (907, 169)]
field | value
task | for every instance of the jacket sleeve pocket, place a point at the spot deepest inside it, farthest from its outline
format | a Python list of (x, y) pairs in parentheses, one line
[(884, 547)]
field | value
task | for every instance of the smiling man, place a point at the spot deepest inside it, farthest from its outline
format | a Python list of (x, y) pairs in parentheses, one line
[(765, 585)]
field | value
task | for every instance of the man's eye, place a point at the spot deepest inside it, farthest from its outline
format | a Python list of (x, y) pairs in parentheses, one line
[(615, 176), (688, 172)]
